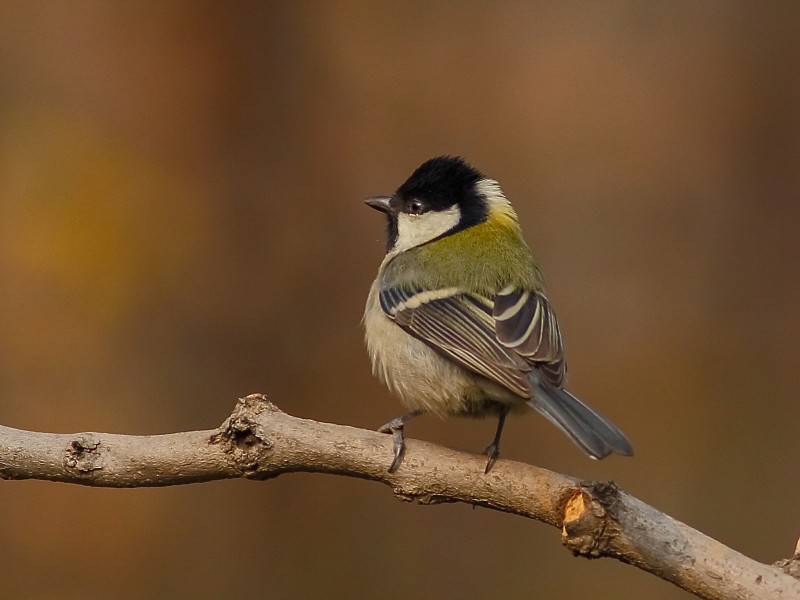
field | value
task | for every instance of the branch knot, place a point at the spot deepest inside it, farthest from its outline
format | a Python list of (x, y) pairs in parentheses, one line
[(83, 454), (244, 437)]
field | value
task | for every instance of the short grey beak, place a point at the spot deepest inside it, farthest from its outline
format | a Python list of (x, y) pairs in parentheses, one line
[(380, 203)]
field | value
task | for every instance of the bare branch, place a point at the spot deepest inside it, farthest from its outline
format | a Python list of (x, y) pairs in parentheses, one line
[(258, 441)]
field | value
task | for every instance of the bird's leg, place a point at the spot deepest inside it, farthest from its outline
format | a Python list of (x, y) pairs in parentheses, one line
[(493, 449), (395, 427)]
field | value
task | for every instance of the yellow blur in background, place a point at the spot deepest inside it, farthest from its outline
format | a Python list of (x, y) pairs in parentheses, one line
[(181, 223)]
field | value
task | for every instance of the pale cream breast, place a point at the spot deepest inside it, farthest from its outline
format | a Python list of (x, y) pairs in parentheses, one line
[(411, 369)]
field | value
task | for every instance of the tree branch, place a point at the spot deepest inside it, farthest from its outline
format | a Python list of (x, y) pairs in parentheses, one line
[(258, 441)]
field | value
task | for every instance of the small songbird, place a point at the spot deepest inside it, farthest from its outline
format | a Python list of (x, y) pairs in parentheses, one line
[(457, 322)]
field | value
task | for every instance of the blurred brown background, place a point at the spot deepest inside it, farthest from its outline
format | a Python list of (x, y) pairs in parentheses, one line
[(181, 224)]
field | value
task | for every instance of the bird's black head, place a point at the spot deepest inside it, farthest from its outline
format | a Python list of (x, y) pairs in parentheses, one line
[(438, 185)]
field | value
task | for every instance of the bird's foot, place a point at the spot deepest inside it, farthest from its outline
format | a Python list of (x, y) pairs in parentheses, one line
[(396, 427), (493, 449), (492, 452)]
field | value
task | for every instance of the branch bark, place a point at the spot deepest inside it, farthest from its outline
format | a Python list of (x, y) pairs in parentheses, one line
[(258, 441)]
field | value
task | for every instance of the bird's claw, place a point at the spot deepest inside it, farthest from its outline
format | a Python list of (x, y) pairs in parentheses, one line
[(493, 452), (396, 427), (399, 449)]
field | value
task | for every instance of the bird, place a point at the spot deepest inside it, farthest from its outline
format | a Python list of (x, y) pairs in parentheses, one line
[(457, 322)]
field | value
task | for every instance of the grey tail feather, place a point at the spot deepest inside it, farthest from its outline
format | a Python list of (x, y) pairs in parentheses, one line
[(593, 433)]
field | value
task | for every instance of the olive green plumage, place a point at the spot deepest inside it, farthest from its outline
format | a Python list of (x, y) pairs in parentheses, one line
[(482, 259)]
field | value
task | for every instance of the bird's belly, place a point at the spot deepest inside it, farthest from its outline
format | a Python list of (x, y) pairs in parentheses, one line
[(422, 378)]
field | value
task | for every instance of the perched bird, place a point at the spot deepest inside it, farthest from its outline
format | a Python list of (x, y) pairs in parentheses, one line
[(457, 322)]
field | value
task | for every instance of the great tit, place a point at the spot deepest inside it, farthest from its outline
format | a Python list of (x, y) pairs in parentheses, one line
[(457, 321)]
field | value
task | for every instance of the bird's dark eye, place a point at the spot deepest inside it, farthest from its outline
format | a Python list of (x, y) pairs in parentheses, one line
[(416, 207)]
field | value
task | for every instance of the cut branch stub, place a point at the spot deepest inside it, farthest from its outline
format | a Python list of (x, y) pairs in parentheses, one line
[(791, 566), (589, 524)]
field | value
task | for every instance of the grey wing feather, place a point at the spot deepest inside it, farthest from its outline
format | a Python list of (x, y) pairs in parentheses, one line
[(525, 322), (460, 326)]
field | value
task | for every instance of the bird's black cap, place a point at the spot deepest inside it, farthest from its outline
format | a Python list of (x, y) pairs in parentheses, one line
[(442, 182)]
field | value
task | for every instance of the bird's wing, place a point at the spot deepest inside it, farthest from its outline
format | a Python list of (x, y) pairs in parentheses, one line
[(526, 324), (460, 326)]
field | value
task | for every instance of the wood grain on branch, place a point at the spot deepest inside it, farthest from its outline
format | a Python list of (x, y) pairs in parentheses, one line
[(258, 441)]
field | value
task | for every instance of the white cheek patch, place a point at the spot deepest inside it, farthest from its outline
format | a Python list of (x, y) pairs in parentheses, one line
[(415, 230)]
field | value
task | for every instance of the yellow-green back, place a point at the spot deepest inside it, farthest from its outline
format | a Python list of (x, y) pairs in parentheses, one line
[(482, 259)]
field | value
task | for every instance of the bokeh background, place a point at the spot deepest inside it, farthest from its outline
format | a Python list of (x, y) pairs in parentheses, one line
[(181, 223)]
